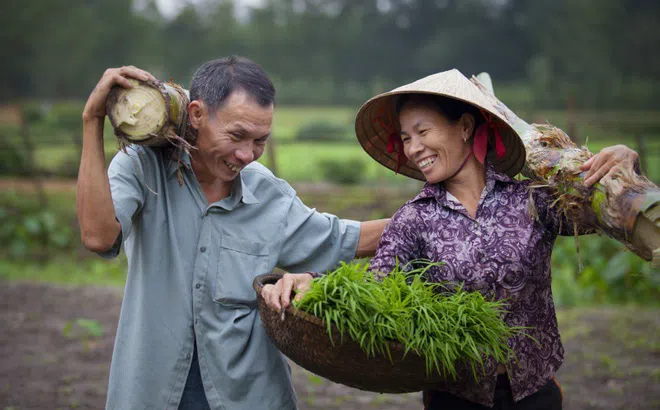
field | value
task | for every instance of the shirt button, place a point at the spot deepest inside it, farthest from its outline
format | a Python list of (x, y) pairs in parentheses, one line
[(483, 259), (197, 286), (202, 249)]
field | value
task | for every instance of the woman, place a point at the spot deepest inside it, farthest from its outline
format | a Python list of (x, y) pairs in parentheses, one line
[(473, 216)]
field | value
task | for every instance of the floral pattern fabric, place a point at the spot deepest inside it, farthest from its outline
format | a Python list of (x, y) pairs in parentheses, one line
[(504, 252)]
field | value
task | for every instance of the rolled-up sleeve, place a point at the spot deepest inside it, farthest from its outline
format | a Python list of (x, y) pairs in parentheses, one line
[(126, 186), (314, 241)]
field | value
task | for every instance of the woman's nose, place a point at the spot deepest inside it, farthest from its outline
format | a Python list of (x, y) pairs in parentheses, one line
[(414, 147)]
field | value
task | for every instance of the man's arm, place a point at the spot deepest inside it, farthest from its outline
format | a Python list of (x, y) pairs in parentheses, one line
[(99, 228), (370, 233)]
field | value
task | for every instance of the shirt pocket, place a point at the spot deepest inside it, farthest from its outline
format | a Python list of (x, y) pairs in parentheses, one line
[(239, 262)]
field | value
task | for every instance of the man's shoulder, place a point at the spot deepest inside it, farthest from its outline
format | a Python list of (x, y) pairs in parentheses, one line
[(131, 154), (261, 179)]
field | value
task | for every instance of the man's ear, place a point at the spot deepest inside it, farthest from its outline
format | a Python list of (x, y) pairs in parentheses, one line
[(196, 113)]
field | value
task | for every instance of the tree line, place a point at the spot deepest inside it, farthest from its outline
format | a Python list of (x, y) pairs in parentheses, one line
[(591, 53)]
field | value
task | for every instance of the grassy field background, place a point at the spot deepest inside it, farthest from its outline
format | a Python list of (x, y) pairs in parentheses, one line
[(55, 130)]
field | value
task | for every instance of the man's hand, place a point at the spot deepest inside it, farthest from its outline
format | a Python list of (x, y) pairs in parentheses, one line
[(278, 296), (95, 106), (608, 162)]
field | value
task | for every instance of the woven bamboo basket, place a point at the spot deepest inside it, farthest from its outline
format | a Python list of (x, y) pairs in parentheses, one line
[(304, 339)]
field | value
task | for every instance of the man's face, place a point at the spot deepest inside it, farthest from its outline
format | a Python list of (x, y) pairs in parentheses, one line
[(232, 137)]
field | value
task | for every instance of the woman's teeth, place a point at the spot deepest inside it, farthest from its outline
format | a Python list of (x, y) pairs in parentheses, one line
[(232, 166), (426, 162)]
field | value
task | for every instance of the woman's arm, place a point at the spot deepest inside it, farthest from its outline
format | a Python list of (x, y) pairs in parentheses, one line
[(401, 242)]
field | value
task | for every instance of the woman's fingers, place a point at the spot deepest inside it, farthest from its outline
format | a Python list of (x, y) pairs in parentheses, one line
[(597, 173), (588, 163)]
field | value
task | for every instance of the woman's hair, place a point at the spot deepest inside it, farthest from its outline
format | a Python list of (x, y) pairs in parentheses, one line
[(449, 107)]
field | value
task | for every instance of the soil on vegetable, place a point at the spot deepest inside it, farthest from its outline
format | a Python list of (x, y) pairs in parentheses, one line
[(612, 355)]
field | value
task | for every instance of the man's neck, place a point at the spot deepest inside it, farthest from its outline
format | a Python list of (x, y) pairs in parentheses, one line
[(214, 189)]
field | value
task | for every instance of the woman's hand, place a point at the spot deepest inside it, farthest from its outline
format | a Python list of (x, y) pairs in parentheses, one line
[(608, 162), (95, 105), (278, 296)]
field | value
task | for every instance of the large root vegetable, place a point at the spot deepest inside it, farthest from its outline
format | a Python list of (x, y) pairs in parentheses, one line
[(625, 206)]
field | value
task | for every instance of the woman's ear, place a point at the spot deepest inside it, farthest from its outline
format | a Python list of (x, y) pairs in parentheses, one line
[(196, 111), (467, 124)]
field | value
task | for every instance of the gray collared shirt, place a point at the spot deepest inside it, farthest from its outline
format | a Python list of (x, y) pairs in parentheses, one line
[(190, 271)]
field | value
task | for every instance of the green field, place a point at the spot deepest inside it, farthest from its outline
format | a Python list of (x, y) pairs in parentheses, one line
[(56, 154)]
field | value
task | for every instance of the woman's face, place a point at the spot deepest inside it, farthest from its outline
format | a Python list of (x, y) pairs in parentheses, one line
[(433, 142)]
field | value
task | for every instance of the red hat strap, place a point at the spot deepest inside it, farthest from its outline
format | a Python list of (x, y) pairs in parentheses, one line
[(480, 145), (394, 142)]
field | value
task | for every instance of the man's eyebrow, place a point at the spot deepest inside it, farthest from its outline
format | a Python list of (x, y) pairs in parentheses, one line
[(239, 129)]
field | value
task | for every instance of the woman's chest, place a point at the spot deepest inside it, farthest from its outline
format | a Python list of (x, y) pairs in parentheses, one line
[(502, 249)]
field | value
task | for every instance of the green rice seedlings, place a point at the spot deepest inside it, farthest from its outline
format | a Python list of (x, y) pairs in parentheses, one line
[(445, 324)]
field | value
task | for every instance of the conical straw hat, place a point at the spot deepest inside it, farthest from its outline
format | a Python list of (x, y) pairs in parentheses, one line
[(377, 119)]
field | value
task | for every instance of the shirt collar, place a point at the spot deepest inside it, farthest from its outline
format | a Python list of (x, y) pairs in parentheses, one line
[(239, 193), (438, 191), (239, 190), (173, 165)]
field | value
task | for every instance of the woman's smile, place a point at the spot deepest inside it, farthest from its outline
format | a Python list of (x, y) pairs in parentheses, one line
[(427, 162)]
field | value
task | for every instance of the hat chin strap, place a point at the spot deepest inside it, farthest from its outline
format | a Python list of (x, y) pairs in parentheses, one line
[(463, 164)]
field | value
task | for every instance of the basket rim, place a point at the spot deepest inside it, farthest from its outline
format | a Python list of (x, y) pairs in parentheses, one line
[(264, 279)]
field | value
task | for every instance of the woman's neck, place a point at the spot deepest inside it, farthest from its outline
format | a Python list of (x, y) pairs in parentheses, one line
[(468, 185)]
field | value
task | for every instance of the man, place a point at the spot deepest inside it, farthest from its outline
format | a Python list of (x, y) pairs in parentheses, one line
[(189, 336)]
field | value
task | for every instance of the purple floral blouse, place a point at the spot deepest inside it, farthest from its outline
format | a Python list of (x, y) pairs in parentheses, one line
[(504, 252)]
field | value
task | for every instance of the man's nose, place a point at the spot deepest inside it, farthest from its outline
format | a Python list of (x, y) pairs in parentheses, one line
[(245, 153)]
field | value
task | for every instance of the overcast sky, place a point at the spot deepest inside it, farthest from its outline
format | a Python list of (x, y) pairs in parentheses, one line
[(170, 8)]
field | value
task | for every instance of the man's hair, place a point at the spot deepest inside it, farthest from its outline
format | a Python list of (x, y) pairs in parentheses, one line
[(216, 80)]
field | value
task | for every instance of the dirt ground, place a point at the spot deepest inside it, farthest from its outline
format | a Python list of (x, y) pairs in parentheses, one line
[(612, 356)]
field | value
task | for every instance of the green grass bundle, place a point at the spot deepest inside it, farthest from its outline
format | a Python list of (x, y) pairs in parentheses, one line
[(445, 327)]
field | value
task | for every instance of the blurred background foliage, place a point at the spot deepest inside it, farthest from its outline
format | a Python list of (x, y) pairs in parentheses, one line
[(590, 67), (599, 53)]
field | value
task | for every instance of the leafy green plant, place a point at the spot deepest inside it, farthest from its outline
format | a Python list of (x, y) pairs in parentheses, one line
[(610, 274), (33, 232), (85, 330), (346, 171), (442, 325), (13, 159), (322, 131)]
